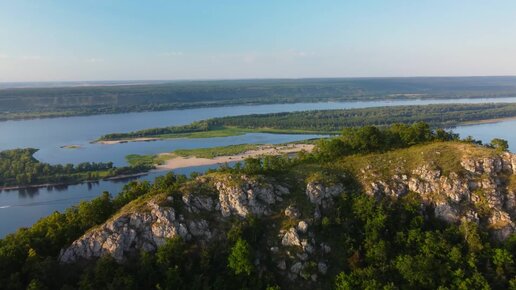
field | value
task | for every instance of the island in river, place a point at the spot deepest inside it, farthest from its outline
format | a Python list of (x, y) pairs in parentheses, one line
[(323, 122)]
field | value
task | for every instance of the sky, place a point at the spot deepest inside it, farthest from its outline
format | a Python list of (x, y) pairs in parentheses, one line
[(92, 40)]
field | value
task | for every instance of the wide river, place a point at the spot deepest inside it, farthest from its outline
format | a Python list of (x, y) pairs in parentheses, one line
[(23, 207)]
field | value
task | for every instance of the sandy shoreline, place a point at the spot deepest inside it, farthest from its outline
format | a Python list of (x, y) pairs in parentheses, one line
[(176, 161), (487, 121)]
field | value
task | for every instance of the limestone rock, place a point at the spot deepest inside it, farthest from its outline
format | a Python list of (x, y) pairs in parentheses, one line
[(246, 196), (291, 238), (320, 194), (292, 212), (302, 227), (129, 232)]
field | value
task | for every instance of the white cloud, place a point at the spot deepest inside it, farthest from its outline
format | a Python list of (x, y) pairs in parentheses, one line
[(4, 56)]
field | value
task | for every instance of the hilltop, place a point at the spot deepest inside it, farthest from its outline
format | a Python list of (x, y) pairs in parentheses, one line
[(415, 208)]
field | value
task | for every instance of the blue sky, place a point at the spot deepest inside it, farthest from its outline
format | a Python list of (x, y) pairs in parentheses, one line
[(143, 40)]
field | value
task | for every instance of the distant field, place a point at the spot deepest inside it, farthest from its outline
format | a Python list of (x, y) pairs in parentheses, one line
[(30, 102)]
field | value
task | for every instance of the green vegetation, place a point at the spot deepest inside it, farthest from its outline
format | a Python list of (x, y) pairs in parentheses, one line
[(18, 103), (329, 121), (18, 167), (144, 160), (217, 151), (210, 153), (240, 259), (375, 244)]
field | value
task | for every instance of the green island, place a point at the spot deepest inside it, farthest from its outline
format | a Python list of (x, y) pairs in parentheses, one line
[(72, 100), (19, 168), (326, 121), (335, 226)]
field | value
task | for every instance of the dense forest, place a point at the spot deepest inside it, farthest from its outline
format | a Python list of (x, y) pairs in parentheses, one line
[(329, 121), (376, 244), (106, 98), (18, 167)]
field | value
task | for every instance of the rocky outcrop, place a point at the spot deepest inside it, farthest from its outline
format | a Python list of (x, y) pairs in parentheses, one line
[(478, 192), (320, 194), (144, 229), (243, 195), (147, 227)]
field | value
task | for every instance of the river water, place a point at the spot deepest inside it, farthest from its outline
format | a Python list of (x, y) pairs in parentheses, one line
[(20, 208)]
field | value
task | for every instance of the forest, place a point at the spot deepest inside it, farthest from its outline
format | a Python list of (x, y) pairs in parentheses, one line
[(376, 244), (18, 103), (18, 167), (331, 121)]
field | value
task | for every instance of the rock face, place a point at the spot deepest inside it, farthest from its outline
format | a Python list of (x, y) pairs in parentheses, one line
[(478, 192), (320, 194), (148, 227), (247, 196), (145, 230)]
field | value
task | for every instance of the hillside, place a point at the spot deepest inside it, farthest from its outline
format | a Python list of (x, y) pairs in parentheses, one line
[(85, 99), (409, 215)]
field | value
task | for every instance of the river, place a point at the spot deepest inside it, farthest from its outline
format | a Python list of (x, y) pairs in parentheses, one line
[(20, 208)]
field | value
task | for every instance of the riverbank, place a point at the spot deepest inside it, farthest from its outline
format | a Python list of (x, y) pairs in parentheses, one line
[(488, 121), (175, 161)]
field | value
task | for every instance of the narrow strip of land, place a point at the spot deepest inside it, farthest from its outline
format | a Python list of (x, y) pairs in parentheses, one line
[(324, 122), (200, 157)]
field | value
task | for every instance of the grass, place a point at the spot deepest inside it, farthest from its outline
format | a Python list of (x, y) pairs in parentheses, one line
[(234, 131), (149, 160), (159, 159), (217, 151), (224, 131), (444, 155), (71, 146)]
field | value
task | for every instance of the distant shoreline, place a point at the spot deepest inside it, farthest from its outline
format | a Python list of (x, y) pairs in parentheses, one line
[(487, 121)]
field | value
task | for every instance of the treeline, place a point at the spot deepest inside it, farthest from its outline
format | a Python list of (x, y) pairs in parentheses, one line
[(331, 121), (369, 139), (18, 167), (334, 120), (85, 100), (191, 128)]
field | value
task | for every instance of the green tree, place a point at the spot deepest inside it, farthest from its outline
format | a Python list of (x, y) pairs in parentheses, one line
[(240, 259), (500, 144)]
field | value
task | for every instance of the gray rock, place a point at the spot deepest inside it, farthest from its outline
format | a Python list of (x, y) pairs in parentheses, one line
[(127, 233), (322, 267), (282, 265), (296, 268), (320, 194), (245, 196)]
